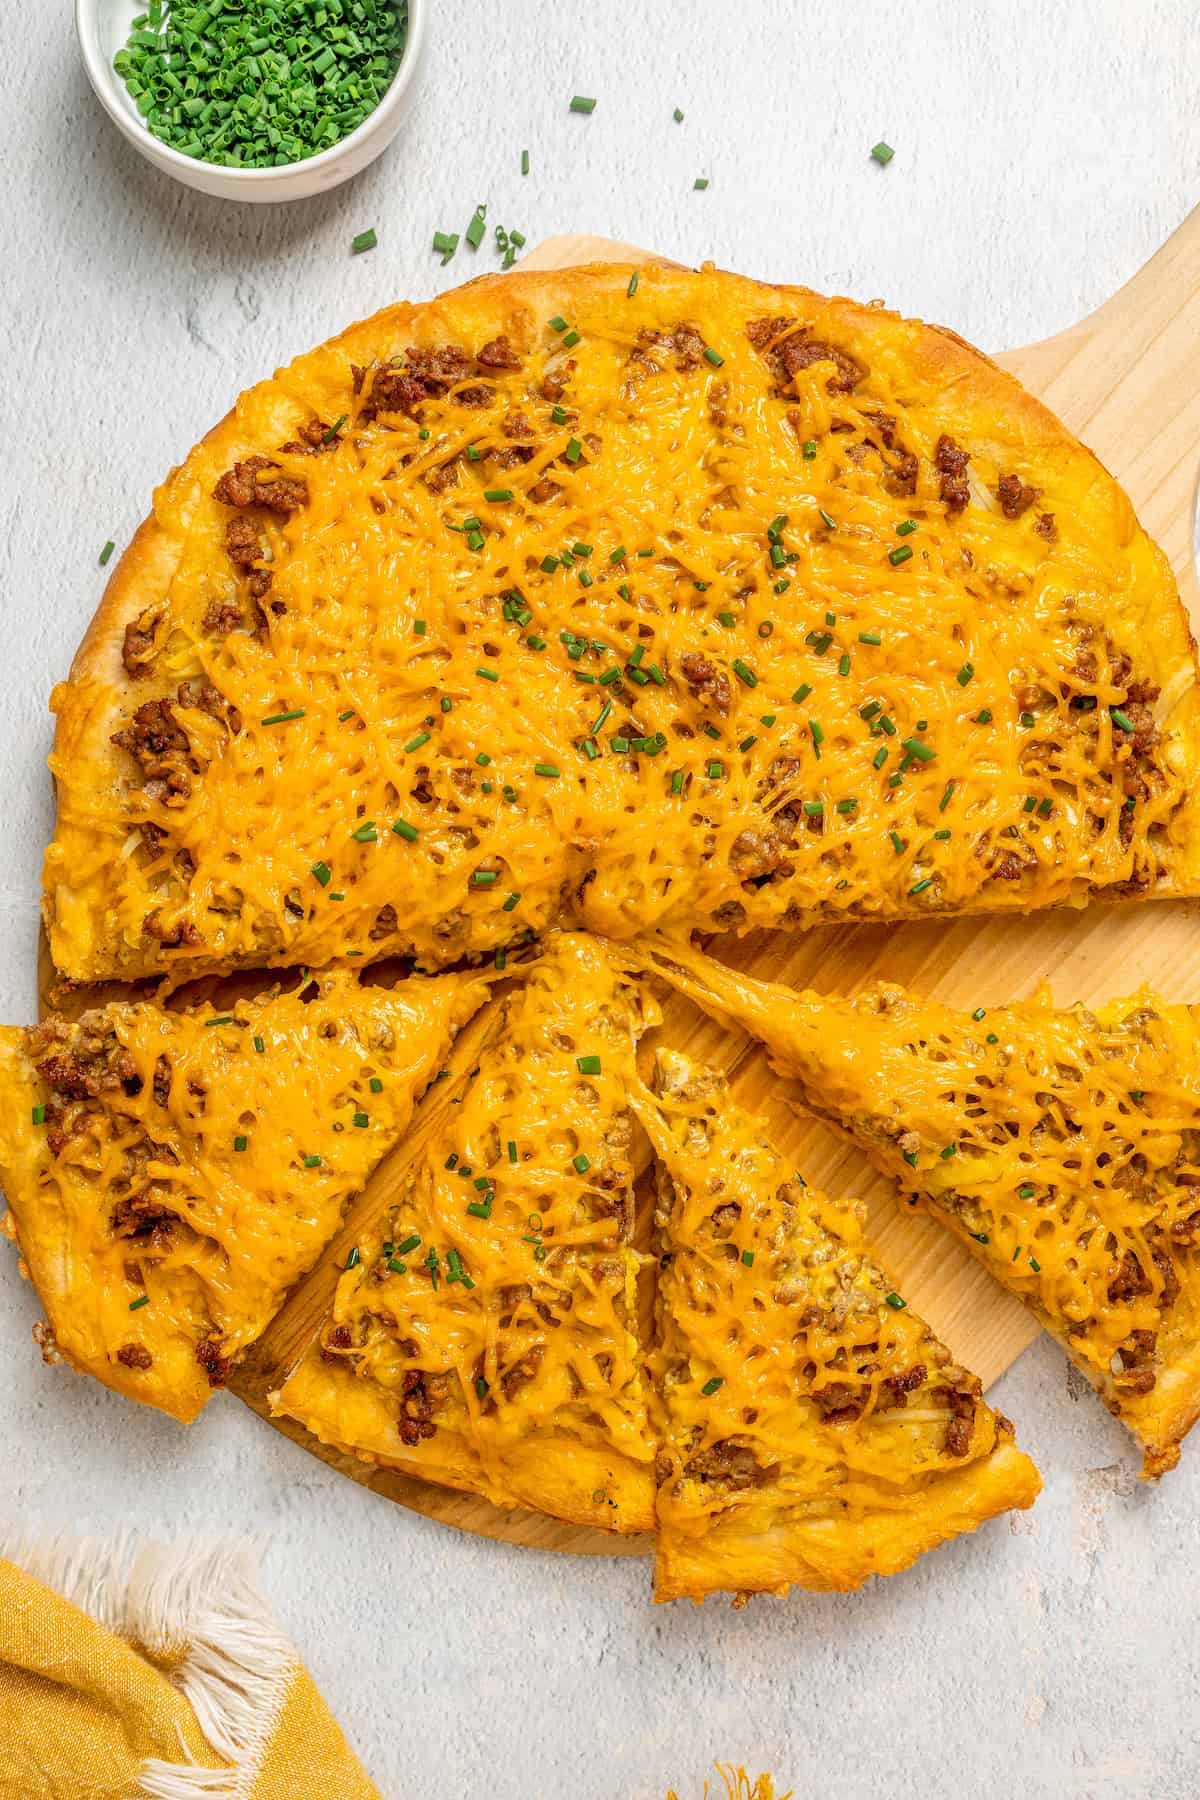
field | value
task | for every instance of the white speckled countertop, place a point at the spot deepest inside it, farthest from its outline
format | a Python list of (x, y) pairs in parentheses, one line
[(1042, 154)]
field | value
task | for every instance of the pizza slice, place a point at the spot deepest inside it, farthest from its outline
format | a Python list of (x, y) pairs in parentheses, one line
[(485, 1336), (815, 1432), (1063, 1147), (170, 1174)]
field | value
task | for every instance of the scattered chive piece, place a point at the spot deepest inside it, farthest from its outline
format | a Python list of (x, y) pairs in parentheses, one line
[(588, 1065), (240, 1142), (869, 637), (582, 1163), (582, 103), (488, 674), (106, 552), (895, 1302), (39, 1115), (409, 1244), (965, 674), (918, 887), (983, 717), (897, 842), (809, 449), (283, 718), (483, 877), (900, 554), (571, 339), (524, 162), (918, 748), (558, 323), (142, 1300), (362, 1120), (551, 771), (445, 243), (700, 183), (677, 116), (323, 873), (944, 802), (748, 1259), (366, 240), (573, 451), (353, 1260), (422, 737), (312, 1162), (801, 693), (632, 289), (710, 1387), (259, 1045), (905, 526), (744, 672), (814, 808), (366, 833), (498, 495), (403, 829), (713, 356), (1121, 720), (475, 230), (882, 153)]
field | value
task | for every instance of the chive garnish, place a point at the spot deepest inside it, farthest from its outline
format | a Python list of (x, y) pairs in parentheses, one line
[(714, 357), (582, 103), (312, 1162), (477, 227), (895, 1302), (918, 748), (711, 1386), (744, 672), (422, 737), (106, 553), (403, 829), (632, 289), (748, 1259), (366, 240), (900, 554), (882, 153), (1121, 720), (588, 1065), (700, 183), (142, 1300), (550, 771), (39, 1115), (283, 718)]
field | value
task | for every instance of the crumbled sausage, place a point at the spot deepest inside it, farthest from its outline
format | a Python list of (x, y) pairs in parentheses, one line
[(223, 616), (215, 1366), (787, 355), (951, 462), (1015, 496), (134, 1356), (138, 645), (499, 354), (249, 484), (709, 684)]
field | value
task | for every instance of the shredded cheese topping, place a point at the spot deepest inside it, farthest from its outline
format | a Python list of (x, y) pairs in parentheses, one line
[(495, 1308), (1063, 1147), (171, 1174), (706, 604), (801, 1397)]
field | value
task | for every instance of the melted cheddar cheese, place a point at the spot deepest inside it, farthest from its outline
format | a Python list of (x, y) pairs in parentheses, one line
[(814, 1430), (1063, 1147), (486, 1337), (679, 601), (170, 1174)]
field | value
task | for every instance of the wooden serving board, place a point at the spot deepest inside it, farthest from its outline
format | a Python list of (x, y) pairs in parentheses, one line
[(1125, 381)]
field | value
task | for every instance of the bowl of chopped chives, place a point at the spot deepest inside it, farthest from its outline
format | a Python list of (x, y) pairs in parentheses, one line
[(254, 99)]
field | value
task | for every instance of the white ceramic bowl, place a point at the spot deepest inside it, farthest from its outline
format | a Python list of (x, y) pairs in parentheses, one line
[(103, 26)]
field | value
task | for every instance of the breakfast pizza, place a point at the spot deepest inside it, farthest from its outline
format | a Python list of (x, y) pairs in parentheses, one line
[(621, 599), (814, 1430), (1062, 1147), (486, 1336), (170, 1174)]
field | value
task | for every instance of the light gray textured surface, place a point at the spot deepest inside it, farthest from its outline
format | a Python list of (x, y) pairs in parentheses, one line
[(1041, 155)]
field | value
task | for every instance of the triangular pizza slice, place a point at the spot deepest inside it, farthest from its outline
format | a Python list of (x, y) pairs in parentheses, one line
[(815, 1431), (1062, 1146), (170, 1174), (485, 1336)]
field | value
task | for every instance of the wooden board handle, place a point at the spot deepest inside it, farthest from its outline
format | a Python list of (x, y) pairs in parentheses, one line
[(1127, 381)]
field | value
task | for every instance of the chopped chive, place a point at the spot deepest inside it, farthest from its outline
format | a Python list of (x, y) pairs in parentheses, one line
[(801, 693), (918, 748), (905, 527), (714, 357), (39, 1115), (966, 674), (323, 873), (571, 339), (897, 842), (710, 1387), (403, 829), (283, 718), (475, 230), (882, 153), (366, 833), (677, 116), (744, 672), (900, 554), (700, 183), (809, 449), (488, 674), (826, 520), (362, 1120), (588, 1065), (918, 887), (582, 1163), (551, 771), (498, 495), (1121, 720), (895, 1302), (573, 451), (106, 553), (582, 103), (142, 1300), (869, 637), (632, 289), (524, 162), (748, 1259), (240, 1142), (946, 798), (312, 1162), (259, 1045), (366, 240), (422, 737)]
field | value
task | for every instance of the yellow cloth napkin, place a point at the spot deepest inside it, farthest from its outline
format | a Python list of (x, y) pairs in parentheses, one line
[(156, 1675)]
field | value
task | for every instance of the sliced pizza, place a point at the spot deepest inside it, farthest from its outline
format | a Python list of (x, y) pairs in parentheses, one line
[(170, 1174), (1062, 1146), (486, 1334), (815, 1431)]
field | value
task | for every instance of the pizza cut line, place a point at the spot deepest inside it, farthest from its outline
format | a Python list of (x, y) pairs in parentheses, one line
[(686, 601), (1062, 1147)]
